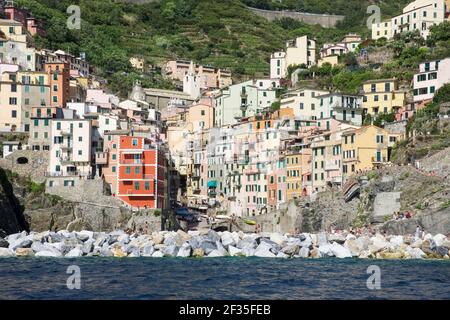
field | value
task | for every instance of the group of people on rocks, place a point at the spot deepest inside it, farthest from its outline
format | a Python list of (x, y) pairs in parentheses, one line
[(402, 215)]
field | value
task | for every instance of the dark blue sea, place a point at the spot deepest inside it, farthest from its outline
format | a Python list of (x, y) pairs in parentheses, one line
[(222, 278)]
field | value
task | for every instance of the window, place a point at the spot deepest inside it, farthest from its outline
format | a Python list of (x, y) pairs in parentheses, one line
[(13, 101), (137, 170), (80, 125), (375, 97), (380, 139), (432, 89), (55, 99), (80, 139), (128, 170), (113, 169), (13, 114), (58, 168), (373, 87), (46, 122), (55, 88), (147, 185), (80, 152), (301, 105), (137, 185), (134, 142)]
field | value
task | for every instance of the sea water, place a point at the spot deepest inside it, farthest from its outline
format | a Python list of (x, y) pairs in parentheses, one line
[(222, 278)]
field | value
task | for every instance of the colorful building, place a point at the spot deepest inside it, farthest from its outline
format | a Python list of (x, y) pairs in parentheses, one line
[(140, 173), (383, 96), (363, 149), (59, 80)]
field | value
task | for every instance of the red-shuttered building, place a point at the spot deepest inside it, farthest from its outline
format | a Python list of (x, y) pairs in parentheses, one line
[(140, 173)]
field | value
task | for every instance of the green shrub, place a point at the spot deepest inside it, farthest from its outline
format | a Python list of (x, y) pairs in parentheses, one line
[(157, 213)]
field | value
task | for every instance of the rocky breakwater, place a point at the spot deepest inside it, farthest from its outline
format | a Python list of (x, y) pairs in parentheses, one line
[(220, 244)]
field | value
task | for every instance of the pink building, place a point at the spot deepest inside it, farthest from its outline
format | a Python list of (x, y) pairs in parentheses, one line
[(23, 16), (431, 77), (211, 77)]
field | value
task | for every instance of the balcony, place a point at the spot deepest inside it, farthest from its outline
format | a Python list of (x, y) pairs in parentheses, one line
[(101, 158), (137, 193), (379, 159), (66, 160), (65, 147), (66, 133)]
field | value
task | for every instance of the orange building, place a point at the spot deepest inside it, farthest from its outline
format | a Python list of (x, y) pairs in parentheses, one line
[(59, 83), (140, 173)]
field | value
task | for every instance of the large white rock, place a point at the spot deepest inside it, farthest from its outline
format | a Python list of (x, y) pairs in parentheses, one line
[(378, 243), (75, 252), (325, 250), (23, 242), (185, 251), (227, 239), (51, 254), (439, 239), (416, 253), (304, 252), (157, 254), (263, 250), (147, 251), (279, 239), (354, 247), (236, 237), (15, 236), (233, 251), (5, 252), (396, 240), (84, 235), (215, 254), (340, 251), (282, 255)]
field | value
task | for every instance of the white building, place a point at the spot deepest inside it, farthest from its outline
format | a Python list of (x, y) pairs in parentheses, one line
[(70, 151), (301, 50), (342, 107), (82, 108), (244, 100), (278, 66), (432, 76), (418, 15), (192, 83), (304, 102), (10, 146)]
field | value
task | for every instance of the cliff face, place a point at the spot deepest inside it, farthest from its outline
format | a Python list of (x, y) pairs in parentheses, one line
[(11, 211), (25, 208)]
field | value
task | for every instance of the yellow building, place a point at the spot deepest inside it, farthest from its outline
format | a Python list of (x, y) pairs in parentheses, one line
[(19, 92), (297, 165), (382, 96), (13, 30), (363, 149)]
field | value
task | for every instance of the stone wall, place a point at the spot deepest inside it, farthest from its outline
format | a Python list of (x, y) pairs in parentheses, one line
[(325, 20), (35, 167)]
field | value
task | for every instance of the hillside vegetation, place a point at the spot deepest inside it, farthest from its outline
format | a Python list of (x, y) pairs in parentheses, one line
[(223, 33)]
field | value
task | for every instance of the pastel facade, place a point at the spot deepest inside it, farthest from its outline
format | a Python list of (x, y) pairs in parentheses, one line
[(304, 103), (383, 96), (70, 150), (243, 100), (342, 107), (301, 50), (431, 77), (418, 15), (20, 91), (363, 149), (209, 77), (41, 128)]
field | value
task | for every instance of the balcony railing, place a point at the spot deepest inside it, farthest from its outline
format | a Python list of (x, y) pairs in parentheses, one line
[(379, 159)]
